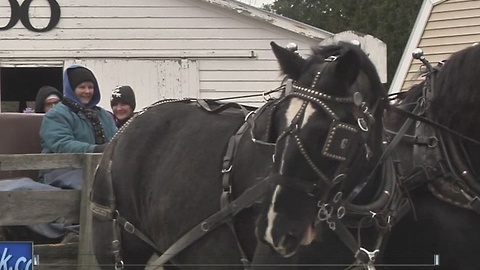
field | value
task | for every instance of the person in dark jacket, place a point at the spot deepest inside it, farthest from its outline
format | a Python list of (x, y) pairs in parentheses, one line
[(123, 104), (76, 125), (47, 97)]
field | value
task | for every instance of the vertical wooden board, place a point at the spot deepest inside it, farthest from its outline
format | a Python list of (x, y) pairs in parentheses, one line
[(184, 78), (86, 258), (161, 81), (172, 74), (157, 76), (193, 80)]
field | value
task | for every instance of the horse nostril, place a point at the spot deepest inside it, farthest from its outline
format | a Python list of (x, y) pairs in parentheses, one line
[(290, 237)]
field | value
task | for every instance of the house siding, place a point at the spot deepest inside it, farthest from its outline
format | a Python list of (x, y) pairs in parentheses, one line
[(452, 25), (152, 80), (128, 42)]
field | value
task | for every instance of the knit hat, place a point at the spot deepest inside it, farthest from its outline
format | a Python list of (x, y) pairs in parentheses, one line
[(43, 94), (53, 96), (125, 94), (79, 75)]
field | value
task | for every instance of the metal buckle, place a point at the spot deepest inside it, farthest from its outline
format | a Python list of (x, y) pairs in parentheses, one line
[(362, 124), (129, 227), (119, 265), (228, 189), (363, 255), (331, 58), (227, 170)]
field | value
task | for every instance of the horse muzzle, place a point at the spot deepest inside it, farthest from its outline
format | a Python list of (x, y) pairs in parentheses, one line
[(287, 244)]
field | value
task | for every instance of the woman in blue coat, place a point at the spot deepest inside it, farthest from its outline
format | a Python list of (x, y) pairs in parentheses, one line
[(76, 125)]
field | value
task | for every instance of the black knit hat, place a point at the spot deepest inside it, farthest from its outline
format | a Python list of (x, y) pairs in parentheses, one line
[(125, 94), (43, 93), (79, 75)]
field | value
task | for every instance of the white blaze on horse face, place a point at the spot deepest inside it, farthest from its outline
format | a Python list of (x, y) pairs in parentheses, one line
[(309, 110), (294, 107), (271, 217)]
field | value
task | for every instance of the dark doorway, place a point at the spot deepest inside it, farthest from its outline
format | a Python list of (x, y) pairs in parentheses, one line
[(20, 85)]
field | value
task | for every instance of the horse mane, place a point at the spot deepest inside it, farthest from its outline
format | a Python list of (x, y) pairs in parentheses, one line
[(456, 91), (366, 64), (378, 96)]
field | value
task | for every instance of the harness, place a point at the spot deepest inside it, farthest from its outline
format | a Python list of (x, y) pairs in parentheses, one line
[(229, 207), (439, 156), (336, 209)]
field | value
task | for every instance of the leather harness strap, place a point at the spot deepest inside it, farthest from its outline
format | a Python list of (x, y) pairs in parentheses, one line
[(245, 200), (229, 208), (412, 115), (220, 107), (226, 197)]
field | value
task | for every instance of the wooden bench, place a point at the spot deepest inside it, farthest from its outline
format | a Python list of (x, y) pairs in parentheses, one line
[(20, 134), (20, 157)]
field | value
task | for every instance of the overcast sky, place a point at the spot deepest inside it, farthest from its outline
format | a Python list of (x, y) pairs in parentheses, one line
[(257, 3)]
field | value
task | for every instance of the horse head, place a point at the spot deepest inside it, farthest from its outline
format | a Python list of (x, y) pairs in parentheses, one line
[(327, 133)]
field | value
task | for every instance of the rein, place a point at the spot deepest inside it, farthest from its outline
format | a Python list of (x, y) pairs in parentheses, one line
[(417, 117), (244, 201)]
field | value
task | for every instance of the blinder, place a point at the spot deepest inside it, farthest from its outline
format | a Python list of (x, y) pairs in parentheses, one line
[(339, 140)]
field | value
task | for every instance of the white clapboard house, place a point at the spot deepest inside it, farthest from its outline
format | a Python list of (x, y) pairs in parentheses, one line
[(162, 48), (442, 28)]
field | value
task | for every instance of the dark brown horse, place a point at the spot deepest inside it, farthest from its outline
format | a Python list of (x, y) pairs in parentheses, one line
[(180, 171), (439, 160)]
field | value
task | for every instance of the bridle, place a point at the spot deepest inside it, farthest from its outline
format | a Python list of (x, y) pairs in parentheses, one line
[(348, 144), (340, 139)]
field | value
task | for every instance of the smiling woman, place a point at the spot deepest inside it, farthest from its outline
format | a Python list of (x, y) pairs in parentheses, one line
[(77, 124), (123, 104)]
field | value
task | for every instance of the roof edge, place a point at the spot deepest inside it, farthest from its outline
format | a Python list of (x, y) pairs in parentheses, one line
[(272, 18), (412, 44)]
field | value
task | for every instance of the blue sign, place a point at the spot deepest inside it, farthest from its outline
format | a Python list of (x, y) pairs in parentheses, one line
[(16, 255)]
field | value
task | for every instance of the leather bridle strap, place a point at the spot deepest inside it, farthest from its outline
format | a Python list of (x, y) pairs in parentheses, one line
[(386, 153), (412, 115), (244, 201)]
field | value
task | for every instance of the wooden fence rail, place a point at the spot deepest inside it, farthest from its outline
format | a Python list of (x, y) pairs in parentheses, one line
[(28, 207)]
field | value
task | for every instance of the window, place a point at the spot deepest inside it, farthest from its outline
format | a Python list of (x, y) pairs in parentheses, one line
[(19, 85)]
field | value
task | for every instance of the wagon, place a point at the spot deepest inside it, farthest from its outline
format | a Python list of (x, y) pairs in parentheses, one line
[(20, 157)]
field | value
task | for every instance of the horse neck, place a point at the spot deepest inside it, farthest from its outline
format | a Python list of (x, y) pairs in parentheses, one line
[(252, 160)]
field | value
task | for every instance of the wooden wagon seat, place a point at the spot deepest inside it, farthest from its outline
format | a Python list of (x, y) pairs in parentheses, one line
[(19, 134)]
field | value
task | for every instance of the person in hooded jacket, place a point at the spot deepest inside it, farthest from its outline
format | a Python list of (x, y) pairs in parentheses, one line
[(47, 97), (76, 125)]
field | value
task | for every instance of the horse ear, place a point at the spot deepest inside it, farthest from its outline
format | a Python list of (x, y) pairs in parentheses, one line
[(348, 67), (290, 63)]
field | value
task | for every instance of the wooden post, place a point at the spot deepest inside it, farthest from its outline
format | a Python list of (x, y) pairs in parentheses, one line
[(86, 258)]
